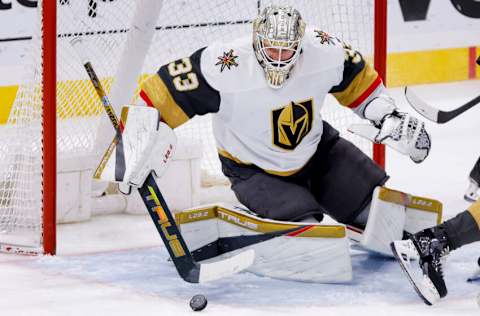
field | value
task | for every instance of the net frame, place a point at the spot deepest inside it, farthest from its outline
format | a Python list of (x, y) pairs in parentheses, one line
[(49, 117), (49, 123)]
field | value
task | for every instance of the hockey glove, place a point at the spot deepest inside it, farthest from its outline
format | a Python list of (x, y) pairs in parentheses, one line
[(400, 131)]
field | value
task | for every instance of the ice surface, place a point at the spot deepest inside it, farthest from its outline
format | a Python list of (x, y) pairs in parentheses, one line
[(116, 265)]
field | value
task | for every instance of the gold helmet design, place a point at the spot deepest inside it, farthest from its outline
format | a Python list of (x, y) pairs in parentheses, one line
[(280, 28)]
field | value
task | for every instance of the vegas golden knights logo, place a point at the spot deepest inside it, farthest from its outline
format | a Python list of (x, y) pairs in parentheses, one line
[(292, 123)]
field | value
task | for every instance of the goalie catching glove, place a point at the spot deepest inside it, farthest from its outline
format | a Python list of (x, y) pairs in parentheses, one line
[(401, 131), (146, 144)]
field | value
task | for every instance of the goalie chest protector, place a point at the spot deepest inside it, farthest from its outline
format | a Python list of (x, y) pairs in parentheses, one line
[(278, 130)]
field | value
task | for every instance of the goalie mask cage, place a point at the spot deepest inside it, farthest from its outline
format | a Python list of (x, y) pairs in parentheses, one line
[(58, 117)]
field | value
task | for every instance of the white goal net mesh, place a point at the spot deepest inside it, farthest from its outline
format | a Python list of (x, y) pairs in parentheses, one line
[(182, 27)]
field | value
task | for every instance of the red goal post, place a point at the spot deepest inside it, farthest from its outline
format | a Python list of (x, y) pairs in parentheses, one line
[(49, 138), (380, 61)]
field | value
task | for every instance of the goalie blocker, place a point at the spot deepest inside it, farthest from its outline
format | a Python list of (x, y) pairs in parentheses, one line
[(146, 145)]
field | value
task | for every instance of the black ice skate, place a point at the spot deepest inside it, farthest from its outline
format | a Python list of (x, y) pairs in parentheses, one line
[(471, 194), (476, 276), (429, 247)]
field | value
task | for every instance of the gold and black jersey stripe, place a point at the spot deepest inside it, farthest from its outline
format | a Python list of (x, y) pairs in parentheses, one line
[(180, 91), (359, 80)]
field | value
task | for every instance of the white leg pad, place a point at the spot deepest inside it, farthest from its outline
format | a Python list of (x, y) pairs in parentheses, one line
[(422, 213), (393, 212), (385, 224), (308, 252)]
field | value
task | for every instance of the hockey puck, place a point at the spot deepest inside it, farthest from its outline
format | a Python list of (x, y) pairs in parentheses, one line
[(198, 302)]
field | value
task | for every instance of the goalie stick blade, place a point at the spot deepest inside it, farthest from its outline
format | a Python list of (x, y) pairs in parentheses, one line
[(434, 114), (193, 272), (215, 270), (421, 107)]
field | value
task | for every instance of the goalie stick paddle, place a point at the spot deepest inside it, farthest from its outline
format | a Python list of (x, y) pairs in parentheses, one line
[(190, 270), (434, 114)]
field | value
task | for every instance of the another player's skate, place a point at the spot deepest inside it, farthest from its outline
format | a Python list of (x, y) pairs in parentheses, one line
[(476, 276), (429, 247), (471, 194)]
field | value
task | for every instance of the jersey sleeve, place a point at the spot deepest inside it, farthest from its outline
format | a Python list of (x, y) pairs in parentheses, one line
[(180, 91), (360, 82)]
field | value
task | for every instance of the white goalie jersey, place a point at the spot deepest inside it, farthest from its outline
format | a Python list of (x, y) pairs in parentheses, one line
[(277, 130)]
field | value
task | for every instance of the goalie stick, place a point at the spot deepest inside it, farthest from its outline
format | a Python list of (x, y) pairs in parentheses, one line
[(190, 270), (434, 114)]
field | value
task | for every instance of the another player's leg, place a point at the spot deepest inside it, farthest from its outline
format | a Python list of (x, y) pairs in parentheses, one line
[(471, 194), (430, 246)]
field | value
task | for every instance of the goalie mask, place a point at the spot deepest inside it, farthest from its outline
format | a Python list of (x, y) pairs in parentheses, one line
[(277, 41)]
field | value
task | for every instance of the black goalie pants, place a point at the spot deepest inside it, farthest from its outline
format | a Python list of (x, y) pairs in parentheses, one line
[(338, 180)]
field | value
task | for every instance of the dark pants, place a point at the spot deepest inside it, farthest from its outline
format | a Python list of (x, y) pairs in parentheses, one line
[(461, 230), (475, 173), (338, 180)]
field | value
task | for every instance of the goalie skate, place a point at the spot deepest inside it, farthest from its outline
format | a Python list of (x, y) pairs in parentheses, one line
[(406, 253), (471, 194)]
